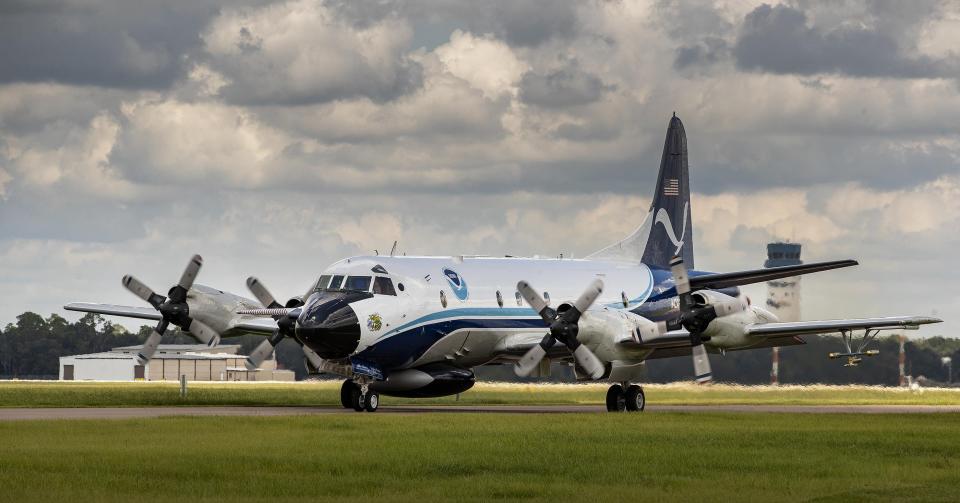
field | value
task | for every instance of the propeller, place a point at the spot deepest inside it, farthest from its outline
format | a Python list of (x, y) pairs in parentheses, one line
[(286, 324), (694, 319), (173, 309), (563, 327)]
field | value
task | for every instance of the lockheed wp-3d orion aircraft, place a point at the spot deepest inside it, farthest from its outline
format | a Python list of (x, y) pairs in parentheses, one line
[(416, 326)]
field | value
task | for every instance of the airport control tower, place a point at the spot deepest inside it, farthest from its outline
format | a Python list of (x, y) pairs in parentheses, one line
[(783, 295)]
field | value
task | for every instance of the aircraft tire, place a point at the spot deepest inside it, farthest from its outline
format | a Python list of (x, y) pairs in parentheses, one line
[(346, 394), (635, 399), (357, 400), (372, 402), (615, 399)]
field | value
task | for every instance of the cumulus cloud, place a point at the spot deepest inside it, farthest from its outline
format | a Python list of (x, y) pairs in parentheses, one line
[(100, 42), (780, 39), (299, 52), (566, 86)]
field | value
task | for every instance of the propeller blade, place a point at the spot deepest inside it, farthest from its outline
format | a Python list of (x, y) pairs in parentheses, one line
[(190, 273), (681, 282), (203, 333), (588, 361), (150, 345), (535, 301), (263, 351), (261, 293), (143, 291), (315, 360), (589, 295), (701, 365), (532, 358)]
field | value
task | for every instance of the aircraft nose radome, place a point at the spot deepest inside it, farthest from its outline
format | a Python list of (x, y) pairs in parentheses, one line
[(330, 327)]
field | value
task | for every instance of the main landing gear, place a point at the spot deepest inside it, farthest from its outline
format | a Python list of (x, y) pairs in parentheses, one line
[(358, 397), (625, 397)]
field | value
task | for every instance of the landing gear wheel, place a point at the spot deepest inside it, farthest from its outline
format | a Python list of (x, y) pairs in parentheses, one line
[(357, 400), (372, 402), (346, 394), (616, 401), (635, 399)]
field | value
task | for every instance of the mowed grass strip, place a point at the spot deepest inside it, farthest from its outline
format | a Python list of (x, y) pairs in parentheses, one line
[(428, 457), (129, 394)]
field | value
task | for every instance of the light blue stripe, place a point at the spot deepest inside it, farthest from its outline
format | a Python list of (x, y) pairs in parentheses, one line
[(498, 312)]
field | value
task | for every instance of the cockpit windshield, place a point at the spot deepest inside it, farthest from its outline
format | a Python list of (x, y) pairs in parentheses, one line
[(323, 282), (361, 283), (383, 286)]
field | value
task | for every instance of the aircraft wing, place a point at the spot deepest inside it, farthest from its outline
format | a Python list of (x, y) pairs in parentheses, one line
[(771, 330), (143, 313), (239, 326), (728, 279)]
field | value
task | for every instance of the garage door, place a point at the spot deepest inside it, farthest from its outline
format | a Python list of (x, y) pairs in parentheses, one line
[(68, 372)]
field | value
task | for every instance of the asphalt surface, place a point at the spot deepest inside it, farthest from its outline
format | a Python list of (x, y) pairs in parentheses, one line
[(15, 414)]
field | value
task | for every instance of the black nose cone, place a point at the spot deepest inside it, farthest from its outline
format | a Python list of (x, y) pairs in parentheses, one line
[(329, 326)]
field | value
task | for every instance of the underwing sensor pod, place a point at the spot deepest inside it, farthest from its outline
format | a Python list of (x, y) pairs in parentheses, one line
[(418, 326)]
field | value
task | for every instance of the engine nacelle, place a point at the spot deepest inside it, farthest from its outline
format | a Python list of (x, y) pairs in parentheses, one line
[(724, 305), (429, 381), (604, 331), (217, 308)]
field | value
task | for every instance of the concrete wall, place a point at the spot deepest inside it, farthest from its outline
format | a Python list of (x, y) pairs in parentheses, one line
[(99, 369), (168, 369)]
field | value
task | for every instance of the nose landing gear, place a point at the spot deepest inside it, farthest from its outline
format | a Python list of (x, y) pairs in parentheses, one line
[(358, 397), (625, 397)]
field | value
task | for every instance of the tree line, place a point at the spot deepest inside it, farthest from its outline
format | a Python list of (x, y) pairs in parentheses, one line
[(31, 347)]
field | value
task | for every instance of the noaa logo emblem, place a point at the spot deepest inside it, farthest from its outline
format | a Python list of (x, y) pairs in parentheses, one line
[(457, 283), (374, 322)]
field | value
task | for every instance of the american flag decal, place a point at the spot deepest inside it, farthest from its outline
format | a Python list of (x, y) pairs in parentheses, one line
[(672, 187)]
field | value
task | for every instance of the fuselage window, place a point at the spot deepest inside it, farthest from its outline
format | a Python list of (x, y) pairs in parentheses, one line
[(361, 283), (443, 299), (546, 297), (400, 286), (335, 282), (383, 286), (323, 282), (519, 299), (499, 299)]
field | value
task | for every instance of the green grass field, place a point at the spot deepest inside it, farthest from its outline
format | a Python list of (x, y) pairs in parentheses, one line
[(88, 394), (560, 457)]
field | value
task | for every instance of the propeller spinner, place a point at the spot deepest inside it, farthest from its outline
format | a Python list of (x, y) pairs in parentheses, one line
[(173, 309)]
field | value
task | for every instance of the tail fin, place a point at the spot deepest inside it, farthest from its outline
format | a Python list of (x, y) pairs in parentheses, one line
[(667, 231)]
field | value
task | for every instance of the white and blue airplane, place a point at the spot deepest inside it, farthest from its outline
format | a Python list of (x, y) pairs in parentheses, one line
[(417, 326)]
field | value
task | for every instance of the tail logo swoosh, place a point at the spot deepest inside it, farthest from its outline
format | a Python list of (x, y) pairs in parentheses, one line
[(664, 218)]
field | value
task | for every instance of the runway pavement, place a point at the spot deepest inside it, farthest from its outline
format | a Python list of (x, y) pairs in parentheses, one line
[(15, 414)]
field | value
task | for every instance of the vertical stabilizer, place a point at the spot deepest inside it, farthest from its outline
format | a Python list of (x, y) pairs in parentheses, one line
[(667, 230)]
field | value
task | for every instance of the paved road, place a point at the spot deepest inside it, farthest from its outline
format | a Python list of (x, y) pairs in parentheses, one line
[(14, 414)]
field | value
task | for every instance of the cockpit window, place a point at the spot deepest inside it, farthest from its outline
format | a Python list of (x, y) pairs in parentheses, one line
[(383, 286), (361, 283), (335, 282), (323, 282)]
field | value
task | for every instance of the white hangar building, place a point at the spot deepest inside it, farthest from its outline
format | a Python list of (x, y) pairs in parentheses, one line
[(196, 361)]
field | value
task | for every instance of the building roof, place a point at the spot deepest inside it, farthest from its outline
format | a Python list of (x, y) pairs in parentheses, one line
[(182, 348), (111, 355)]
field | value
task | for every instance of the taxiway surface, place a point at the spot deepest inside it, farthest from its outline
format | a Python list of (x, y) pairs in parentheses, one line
[(14, 414)]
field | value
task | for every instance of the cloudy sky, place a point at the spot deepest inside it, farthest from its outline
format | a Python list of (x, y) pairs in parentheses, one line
[(276, 138)]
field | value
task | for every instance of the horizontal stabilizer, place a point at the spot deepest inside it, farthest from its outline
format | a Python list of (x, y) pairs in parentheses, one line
[(836, 326), (729, 279), (143, 313)]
